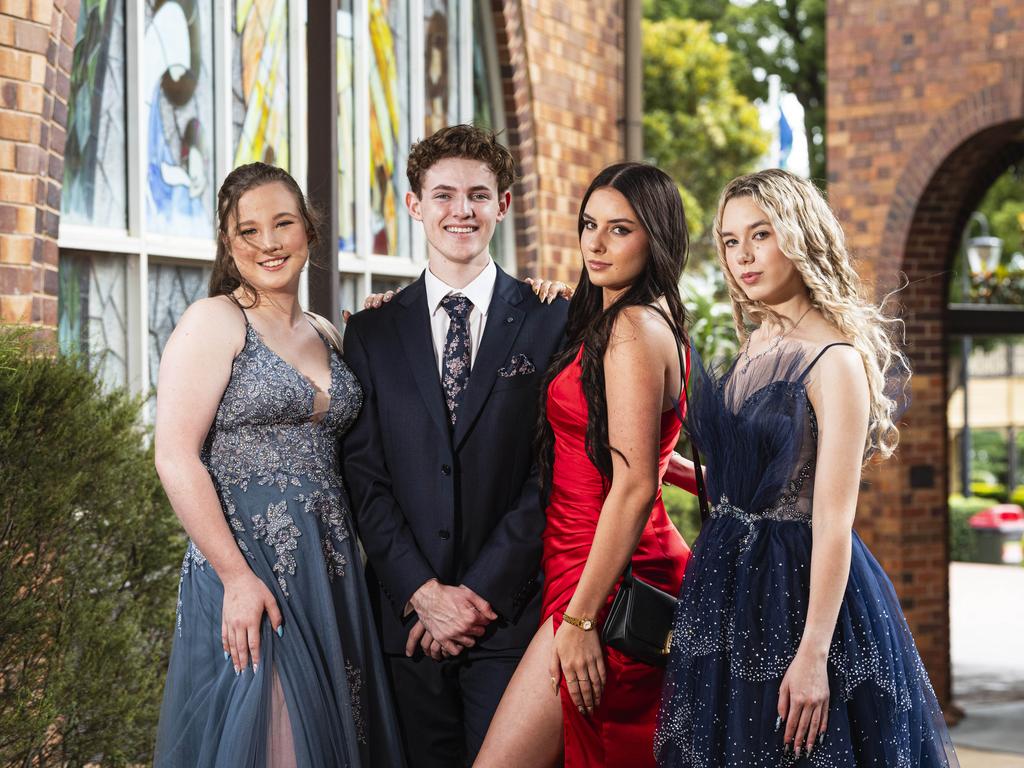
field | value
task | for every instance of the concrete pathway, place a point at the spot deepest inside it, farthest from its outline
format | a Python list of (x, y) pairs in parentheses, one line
[(986, 606)]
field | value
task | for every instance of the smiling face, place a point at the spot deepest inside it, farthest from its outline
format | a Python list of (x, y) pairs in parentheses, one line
[(459, 205), (753, 256), (268, 240), (614, 245)]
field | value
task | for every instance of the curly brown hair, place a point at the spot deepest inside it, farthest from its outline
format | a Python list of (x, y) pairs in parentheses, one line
[(463, 141), (225, 278)]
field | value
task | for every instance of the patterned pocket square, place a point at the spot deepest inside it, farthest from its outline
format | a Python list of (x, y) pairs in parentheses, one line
[(519, 365)]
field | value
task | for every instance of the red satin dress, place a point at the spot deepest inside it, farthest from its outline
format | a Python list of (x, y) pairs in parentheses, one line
[(620, 732)]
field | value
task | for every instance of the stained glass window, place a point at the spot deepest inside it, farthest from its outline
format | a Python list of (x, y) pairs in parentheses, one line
[(389, 124), (171, 289), (177, 81), (441, 65), (95, 176), (260, 88), (346, 131), (92, 312)]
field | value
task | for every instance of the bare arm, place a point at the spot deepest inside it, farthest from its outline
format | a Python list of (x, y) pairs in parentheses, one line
[(194, 371), (681, 473), (840, 399)]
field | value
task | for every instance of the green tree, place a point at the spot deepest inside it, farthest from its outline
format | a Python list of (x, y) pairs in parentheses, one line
[(780, 37), (697, 125)]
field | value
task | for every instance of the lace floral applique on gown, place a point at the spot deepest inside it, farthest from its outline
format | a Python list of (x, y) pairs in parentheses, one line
[(320, 695), (744, 598)]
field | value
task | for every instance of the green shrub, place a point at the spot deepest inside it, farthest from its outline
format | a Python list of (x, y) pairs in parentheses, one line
[(89, 552), (1017, 497), (683, 509), (961, 537), (994, 491)]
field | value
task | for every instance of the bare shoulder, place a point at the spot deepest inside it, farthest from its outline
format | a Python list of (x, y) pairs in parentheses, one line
[(839, 377), (643, 324), (216, 320)]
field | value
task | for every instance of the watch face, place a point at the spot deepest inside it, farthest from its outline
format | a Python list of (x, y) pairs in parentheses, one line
[(588, 624)]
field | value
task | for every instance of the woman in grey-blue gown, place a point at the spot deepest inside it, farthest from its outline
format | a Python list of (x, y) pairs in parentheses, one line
[(275, 660)]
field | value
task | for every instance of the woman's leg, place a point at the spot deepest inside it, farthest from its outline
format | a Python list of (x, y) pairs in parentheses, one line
[(527, 728)]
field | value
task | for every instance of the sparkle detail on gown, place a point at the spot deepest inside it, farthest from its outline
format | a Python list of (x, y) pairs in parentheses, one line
[(319, 698), (620, 730), (743, 604)]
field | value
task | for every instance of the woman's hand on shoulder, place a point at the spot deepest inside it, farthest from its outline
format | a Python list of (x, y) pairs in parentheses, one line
[(194, 370)]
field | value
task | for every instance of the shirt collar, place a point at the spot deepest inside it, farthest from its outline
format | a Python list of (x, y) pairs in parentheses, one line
[(479, 291)]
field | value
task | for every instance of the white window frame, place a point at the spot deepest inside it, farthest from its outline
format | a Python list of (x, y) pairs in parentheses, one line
[(138, 245)]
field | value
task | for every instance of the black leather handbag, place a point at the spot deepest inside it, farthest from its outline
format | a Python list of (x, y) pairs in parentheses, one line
[(639, 622)]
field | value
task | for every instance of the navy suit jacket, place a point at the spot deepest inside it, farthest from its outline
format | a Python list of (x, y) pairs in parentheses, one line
[(462, 507)]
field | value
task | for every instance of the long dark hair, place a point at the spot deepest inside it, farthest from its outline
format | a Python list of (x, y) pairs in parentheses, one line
[(655, 199), (226, 278)]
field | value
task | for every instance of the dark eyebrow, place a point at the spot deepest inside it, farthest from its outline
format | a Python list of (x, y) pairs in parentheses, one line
[(449, 188), (611, 221), (759, 223), (277, 216)]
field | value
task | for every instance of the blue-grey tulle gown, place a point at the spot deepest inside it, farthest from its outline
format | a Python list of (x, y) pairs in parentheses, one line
[(320, 697), (743, 603)]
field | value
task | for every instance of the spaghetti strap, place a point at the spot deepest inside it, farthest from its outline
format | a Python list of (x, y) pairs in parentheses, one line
[(817, 357), (241, 309)]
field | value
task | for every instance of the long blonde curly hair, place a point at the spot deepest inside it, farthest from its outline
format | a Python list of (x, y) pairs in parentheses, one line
[(810, 236)]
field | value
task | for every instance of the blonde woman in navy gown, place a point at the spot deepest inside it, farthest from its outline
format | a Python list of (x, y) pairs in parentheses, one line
[(789, 646)]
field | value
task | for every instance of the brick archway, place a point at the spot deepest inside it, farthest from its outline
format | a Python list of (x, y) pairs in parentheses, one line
[(904, 512)]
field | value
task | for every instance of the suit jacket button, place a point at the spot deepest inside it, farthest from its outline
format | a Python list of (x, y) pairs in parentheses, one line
[(443, 533), (445, 469)]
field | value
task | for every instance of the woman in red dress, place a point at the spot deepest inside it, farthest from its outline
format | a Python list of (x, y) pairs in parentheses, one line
[(608, 429)]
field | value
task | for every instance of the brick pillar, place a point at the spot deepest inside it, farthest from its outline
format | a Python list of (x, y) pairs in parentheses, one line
[(562, 74), (37, 39)]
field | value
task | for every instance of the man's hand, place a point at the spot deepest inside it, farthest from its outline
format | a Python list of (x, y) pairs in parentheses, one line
[(418, 635), (454, 616)]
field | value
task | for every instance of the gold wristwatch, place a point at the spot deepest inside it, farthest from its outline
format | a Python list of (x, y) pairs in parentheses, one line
[(585, 624)]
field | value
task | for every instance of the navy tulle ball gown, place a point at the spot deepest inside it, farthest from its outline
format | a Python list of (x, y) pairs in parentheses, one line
[(744, 598)]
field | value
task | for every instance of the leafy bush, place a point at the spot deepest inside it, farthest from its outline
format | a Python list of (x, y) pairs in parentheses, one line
[(961, 537), (993, 491), (1017, 497), (88, 566), (683, 509)]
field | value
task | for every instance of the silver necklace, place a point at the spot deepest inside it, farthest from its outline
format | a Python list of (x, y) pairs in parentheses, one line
[(745, 352)]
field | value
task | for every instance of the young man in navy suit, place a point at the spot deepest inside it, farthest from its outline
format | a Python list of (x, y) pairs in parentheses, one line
[(440, 462)]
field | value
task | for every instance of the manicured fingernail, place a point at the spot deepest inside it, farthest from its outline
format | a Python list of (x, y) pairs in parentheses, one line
[(237, 671), (821, 738), (778, 723), (796, 753), (226, 655), (255, 668), (280, 630)]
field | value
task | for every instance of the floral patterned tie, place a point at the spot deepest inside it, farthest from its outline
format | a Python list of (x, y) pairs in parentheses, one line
[(455, 363)]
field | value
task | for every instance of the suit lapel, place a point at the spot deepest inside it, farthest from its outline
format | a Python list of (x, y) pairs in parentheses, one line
[(504, 321), (413, 326)]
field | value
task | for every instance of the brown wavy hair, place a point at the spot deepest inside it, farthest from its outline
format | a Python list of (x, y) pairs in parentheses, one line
[(226, 278), (462, 141), (655, 199)]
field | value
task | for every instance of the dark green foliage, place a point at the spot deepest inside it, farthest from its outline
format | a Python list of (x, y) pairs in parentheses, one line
[(778, 37), (89, 554), (961, 538), (684, 511)]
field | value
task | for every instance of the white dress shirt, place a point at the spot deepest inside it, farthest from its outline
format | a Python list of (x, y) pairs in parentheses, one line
[(479, 292)]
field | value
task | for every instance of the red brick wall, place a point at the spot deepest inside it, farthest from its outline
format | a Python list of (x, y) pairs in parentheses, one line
[(562, 67), (925, 107), (36, 42)]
